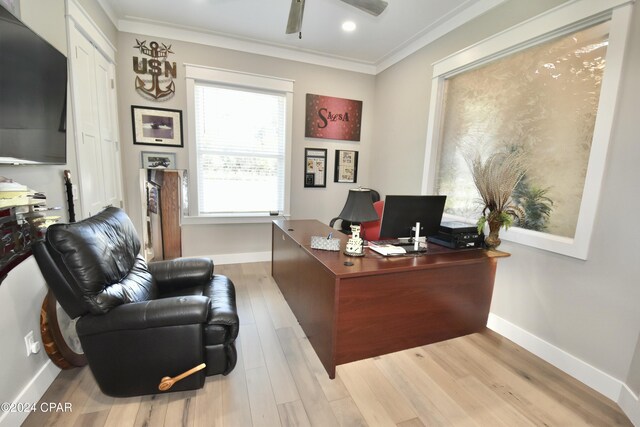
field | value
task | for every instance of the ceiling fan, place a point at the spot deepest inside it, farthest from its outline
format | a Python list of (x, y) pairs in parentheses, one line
[(294, 25)]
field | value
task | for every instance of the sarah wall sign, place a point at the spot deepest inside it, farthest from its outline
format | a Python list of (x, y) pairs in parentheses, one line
[(332, 118), (155, 74)]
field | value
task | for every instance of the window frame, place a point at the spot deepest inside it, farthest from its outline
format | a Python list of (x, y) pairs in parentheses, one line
[(240, 80), (561, 20)]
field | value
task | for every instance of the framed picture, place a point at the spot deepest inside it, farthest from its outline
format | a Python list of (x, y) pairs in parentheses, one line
[(346, 166), (315, 167), (151, 160), (156, 126)]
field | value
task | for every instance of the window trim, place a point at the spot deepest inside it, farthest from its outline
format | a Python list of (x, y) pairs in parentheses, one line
[(239, 79), (567, 17)]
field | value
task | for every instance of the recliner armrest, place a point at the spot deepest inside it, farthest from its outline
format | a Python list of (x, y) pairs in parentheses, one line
[(179, 273), (174, 311)]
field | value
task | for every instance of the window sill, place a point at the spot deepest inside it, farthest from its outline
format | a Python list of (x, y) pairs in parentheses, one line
[(232, 219)]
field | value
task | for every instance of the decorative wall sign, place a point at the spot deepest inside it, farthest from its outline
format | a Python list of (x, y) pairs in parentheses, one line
[(333, 118), (155, 73), (152, 160), (156, 126), (346, 166), (315, 167)]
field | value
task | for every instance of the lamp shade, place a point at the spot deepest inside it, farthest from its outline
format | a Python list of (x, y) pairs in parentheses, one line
[(359, 206)]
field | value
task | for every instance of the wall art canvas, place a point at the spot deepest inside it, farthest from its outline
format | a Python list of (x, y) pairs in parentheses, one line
[(542, 100), (332, 118)]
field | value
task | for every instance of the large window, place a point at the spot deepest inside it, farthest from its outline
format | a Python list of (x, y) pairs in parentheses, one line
[(239, 142)]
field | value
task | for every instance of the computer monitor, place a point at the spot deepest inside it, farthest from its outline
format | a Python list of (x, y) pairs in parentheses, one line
[(401, 213)]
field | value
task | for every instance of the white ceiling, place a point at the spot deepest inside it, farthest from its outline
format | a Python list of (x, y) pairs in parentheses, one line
[(259, 26)]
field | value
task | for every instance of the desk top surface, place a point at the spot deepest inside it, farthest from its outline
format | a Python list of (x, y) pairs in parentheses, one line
[(373, 263)]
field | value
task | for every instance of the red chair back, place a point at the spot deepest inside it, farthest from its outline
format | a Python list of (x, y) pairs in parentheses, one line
[(371, 230)]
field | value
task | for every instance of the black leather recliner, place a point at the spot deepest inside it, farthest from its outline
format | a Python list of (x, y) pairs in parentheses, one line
[(138, 323)]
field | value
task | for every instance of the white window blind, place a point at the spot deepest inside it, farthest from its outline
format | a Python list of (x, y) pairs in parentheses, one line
[(240, 137)]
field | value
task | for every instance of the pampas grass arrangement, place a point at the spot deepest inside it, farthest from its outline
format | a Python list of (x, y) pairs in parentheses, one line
[(495, 178)]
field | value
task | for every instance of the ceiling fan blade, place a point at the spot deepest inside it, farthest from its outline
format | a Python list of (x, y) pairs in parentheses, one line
[(294, 25), (374, 7)]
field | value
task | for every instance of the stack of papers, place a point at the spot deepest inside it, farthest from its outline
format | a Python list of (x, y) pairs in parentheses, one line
[(387, 250)]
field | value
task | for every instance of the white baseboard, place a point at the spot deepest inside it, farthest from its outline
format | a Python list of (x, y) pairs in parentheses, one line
[(220, 259), (31, 394), (600, 381), (630, 405)]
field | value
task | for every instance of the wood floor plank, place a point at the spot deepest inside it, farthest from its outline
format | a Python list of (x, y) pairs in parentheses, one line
[(181, 409), (365, 399), (333, 389), (479, 401), (123, 412), (311, 394), (477, 380), (434, 406), (264, 411), (152, 410), (395, 404), (92, 419), (292, 414), (236, 409), (284, 387), (347, 413), (250, 341), (209, 403), (555, 383)]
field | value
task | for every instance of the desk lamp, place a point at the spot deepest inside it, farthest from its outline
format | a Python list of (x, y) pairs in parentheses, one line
[(357, 209)]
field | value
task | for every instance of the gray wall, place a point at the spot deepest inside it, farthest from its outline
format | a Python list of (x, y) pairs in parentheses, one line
[(587, 308), (22, 291), (320, 203)]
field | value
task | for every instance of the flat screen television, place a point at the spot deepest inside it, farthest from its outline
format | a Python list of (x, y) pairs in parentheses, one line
[(33, 96)]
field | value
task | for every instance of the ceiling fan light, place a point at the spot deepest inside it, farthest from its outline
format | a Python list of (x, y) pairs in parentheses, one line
[(348, 26)]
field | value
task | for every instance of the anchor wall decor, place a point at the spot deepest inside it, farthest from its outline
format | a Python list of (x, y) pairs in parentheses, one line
[(155, 73)]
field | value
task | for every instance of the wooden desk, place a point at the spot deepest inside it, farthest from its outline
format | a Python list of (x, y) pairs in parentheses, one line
[(380, 304)]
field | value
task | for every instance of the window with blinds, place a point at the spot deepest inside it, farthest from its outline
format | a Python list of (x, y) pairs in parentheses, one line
[(240, 137)]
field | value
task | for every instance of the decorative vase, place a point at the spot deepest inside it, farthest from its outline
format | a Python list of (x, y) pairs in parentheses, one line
[(492, 241)]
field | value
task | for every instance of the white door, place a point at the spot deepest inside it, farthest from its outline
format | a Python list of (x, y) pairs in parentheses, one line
[(109, 141), (97, 147)]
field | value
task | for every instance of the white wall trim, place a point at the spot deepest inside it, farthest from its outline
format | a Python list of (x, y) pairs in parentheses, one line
[(466, 14), (239, 258), (593, 377), (32, 393), (630, 405), (569, 16), (455, 19), (171, 32)]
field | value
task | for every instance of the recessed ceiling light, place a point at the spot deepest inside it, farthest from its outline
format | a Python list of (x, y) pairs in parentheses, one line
[(349, 26)]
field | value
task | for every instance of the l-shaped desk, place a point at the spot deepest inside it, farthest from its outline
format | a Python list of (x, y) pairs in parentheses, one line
[(379, 304)]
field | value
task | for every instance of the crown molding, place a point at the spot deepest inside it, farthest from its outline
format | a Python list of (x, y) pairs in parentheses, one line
[(457, 18), (172, 32)]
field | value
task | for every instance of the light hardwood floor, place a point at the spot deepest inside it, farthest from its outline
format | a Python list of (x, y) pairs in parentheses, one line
[(477, 380)]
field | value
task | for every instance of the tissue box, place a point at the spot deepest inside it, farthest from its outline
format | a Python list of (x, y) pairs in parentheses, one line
[(319, 242)]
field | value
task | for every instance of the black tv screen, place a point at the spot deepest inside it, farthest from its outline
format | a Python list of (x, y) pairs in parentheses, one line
[(33, 95)]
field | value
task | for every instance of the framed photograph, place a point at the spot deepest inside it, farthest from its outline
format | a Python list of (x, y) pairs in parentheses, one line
[(315, 167), (346, 166), (156, 126), (151, 160)]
